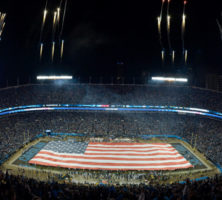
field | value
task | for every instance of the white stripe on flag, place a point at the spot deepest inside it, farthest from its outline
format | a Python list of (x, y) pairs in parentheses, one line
[(110, 156), (45, 156), (48, 162)]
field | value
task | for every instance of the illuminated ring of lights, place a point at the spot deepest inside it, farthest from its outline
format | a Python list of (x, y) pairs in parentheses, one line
[(142, 108)]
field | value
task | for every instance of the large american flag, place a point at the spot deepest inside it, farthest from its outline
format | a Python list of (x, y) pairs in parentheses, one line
[(110, 156)]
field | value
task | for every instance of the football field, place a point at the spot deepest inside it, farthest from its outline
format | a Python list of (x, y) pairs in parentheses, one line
[(76, 160)]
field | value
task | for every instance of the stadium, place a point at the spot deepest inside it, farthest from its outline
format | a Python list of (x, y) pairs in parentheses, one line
[(110, 100), (144, 134)]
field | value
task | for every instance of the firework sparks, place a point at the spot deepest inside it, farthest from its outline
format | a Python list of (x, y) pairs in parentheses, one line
[(2, 23), (168, 25), (163, 56), (183, 26), (53, 51), (185, 56), (54, 18), (63, 20), (62, 50), (58, 15), (159, 21), (45, 12), (41, 51), (173, 57)]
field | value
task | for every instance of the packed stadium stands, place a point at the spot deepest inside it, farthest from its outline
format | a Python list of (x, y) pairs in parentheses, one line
[(19, 187), (14, 129), (111, 94), (208, 131)]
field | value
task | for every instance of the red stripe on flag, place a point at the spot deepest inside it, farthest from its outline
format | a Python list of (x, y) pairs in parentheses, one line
[(102, 150), (107, 158), (111, 164), (132, 154), (97, 168), (126, 143)]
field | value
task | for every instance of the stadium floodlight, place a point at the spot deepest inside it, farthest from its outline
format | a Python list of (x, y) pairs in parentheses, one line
[(54, 77), (171, 79)]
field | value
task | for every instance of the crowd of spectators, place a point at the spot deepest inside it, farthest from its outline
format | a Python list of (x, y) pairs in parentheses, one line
[(19, 187), (204, 133), (111, 94)]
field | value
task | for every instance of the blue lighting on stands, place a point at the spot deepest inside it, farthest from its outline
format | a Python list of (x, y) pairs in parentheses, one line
[(141, 108)]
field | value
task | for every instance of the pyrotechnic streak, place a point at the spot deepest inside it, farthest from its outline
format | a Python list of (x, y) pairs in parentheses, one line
[(43, 20), (45, 12), (2, 23), (42, 28), (168, 25), (53, 51), (54, 18), (63, 20), (161, 11), (173, 57), (58, 15), (44, 17), (43, 24), (163, 56), (62, 50), (183, 21), (168, 7), (159, 30), (2, 27), (185, 56), (159, 21), (168, 31), (54, 26), (159, 26), (183, 26), (41, 51), (3, 15), (183, 30)]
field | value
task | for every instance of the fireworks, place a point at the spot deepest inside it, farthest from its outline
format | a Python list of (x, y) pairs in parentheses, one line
[(159, 21), (41, 50), (62, 50), (185, 56), (2, 23), (159, 25), (53, 51), (57, 32), (163, 56), (168, 25), (44, 17), (168, 29), (183, 26), (173, 56), (58, 15), (41, 31), (63, 20), (54, 18)]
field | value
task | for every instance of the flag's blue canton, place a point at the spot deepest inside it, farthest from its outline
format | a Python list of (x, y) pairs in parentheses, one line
[(66, 147)]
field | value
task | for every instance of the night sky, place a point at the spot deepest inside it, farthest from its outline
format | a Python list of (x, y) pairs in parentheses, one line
[(99, 34)]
